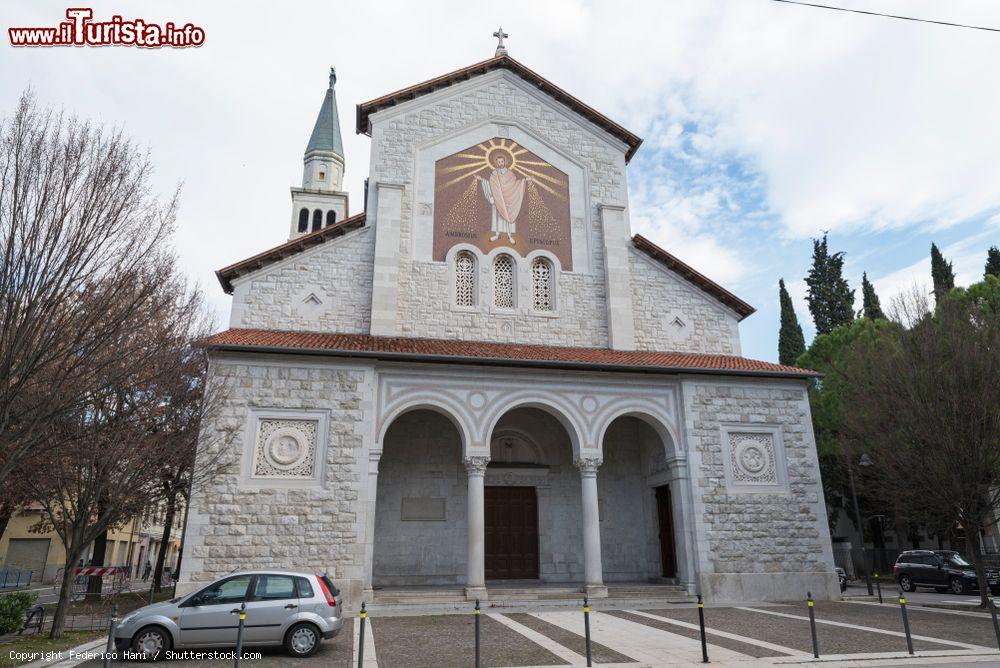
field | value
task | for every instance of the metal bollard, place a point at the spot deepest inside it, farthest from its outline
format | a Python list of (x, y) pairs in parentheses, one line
[(111, 637), (586, 628), (361, 635), (993, 614), (812, 624), (906, 623), (242, 612), (878, 585), (477, 613), (701, 624)]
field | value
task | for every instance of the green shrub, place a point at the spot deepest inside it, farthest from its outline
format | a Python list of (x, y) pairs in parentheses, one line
[(13, 608)]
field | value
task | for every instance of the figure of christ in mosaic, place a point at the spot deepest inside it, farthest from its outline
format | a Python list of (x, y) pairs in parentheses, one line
[(498, 193)]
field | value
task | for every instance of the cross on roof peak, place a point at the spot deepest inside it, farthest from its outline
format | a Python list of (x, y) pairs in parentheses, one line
[(500, 35)]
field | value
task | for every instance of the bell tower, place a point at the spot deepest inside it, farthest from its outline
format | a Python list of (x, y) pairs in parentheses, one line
[(321, 200)]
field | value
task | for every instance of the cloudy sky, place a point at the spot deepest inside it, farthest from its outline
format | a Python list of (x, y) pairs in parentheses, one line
[(764, 123)]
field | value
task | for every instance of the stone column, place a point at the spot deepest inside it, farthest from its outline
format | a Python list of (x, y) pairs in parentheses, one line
[(593, 573), (475, 582), (618, 276), (374, 456)]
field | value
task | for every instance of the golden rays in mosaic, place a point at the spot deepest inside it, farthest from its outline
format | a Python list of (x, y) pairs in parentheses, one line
[(482, 159)]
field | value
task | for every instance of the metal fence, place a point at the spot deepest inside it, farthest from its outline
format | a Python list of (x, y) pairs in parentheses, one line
[(14, 578)]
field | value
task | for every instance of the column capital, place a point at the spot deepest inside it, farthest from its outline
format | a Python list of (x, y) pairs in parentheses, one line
[(588, 465), (476, 464)]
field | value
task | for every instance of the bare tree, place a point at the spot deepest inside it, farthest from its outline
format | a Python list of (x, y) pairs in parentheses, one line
[(106, 460), (78, 222), (924, 398)]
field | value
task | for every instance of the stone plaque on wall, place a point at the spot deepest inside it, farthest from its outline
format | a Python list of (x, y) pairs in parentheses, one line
[(500, 194), (418, 509)]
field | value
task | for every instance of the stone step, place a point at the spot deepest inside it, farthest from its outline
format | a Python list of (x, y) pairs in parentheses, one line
[(426, 606)]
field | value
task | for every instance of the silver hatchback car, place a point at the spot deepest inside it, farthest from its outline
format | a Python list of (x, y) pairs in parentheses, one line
[(287, 608)]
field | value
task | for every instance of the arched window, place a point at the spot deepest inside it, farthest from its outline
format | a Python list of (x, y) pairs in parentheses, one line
[(503, 281), (541, 285), (303, 220), (465, 279), (331, 218), (317, 220)]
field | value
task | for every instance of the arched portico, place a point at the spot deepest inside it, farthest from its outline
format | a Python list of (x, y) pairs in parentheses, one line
[(520, 429), (645, 492)]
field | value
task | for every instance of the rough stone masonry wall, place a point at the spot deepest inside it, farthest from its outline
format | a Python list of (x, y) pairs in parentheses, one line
[(424, 294), (338, 272), (660, 298), (299, 528), (775, 542)]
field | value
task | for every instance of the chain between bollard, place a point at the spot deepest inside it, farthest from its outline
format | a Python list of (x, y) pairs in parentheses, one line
[(878, 585), (906, 623), (111, 637), (477, 613), (812, 623), (993, 613), (362, 616), (586, 629), (242, 612), (701, 625)]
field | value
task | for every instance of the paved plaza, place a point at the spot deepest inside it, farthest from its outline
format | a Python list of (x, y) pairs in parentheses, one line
[(849, 633)]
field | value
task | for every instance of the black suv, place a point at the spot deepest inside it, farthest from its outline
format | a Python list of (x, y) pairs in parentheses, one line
[(943, 570)]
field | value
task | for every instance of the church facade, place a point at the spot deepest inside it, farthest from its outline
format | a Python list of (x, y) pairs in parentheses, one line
[(485, 378)]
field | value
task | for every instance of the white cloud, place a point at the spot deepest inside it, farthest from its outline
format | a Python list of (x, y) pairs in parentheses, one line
[(850, 122)]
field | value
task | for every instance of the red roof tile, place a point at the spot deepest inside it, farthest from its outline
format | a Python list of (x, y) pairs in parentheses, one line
[(481, 352), (690, 274), (506, 63), (227, 274)]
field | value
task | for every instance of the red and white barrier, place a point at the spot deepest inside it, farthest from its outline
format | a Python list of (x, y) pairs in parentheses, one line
[(98, 570)]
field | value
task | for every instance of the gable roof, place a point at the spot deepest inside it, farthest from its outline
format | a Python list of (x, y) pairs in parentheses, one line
[(494, 354), (690, 274), (502, 62), (226, 275)]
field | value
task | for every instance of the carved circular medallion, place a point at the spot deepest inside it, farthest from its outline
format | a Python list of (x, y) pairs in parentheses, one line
[(477, 399), (752, 458), (589, 404), (286, 448)]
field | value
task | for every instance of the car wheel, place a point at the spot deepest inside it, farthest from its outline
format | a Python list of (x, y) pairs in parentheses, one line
[(956, 586), (906, 584), (302, 640), (151, 643)]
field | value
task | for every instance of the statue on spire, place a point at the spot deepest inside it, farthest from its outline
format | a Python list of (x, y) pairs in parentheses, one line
[(333, 75), (500, 35)]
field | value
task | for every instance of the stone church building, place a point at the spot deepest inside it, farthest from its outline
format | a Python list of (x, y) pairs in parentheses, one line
[(484, 379)]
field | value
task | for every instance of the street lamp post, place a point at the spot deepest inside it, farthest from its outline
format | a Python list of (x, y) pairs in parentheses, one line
[(861, 524)]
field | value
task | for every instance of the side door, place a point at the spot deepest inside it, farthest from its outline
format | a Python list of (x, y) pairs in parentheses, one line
[(272, 602), (936, 573), (207, 619)]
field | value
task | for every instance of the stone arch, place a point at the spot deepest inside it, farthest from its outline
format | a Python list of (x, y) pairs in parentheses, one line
[(671, 445), (561, 412), (450, 411), (420, 510)]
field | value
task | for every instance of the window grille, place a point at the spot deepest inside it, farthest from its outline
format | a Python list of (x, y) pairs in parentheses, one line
[(465, 279), (503, 282), (541, 283)]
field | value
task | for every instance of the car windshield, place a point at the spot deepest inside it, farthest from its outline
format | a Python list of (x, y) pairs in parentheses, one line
[(956, 560)]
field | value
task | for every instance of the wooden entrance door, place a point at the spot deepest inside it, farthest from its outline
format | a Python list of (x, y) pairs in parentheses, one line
[(665, 517), (511, 533)]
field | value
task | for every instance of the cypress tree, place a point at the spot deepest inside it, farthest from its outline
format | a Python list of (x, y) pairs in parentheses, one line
[(941, 273), (831, 300), (871, 308), (992, 262), (791, 343)]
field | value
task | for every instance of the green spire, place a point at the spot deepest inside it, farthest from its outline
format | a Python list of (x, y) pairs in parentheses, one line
[(326, 133)]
